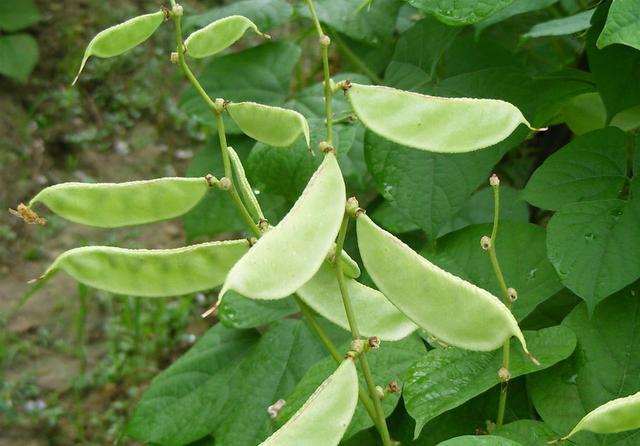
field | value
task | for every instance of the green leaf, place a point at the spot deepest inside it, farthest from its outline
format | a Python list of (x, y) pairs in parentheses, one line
[(527, 432), (238, 311), (17, 14), (558, 89), (387, 364), (590, 246), (18, 56), (523, 258), (266, 14), (484, 440), (445, 378), (622, 25), (562, 27), (461, 12), (591, 167), (515, 8), (260, 74)]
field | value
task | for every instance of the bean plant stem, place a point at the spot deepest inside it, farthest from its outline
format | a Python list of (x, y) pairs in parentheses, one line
[(355, 334), (506, 298)]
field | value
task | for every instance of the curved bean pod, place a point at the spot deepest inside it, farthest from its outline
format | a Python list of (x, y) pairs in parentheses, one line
[(350, 266), (279, 127), (151, 272), (218, 35), (244, 186), (434, 124), (120, 38), (288, 255), (324, 417), (619, 415), (451, 309), (110, 205), (375, 315)]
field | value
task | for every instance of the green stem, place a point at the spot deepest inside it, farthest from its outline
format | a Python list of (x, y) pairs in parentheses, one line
[(355, 334)]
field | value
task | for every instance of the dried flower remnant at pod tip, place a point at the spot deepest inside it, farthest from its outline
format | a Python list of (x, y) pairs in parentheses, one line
[(28, 215)]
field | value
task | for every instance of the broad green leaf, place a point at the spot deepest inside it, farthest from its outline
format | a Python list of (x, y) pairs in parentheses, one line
[(246, 190), (482, 440), (461, 12), (218, 36), (120, 38), (622, 25), (446, 378), (449, 308), (184, 402), (436, 124), (522, 253), (288, 255), (266, 14), (619, 415), (18, 56), (586, 112), (275, 126), (151, 272), (561, 27), (324, 417), (590, 244), (387, 364), (515, 8), (392, 219), (111, 205), (526, 432), (266, 75), (17, 14), (375, 315), (238, 311), (591, 167), (557, 91)]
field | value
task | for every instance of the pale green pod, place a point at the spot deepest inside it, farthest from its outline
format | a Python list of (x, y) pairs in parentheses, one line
[(244, 186), (279, 127), (434, 124), (452, 310), (111, 205), (151, 272), (218, 35), (324, 417), (349, 266), (287, 256), (619, 415), (375, 315), (120, 38)]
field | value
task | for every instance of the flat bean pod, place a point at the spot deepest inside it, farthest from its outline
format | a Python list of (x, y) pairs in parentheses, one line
[(151, 272), (287, 256), (451, 309), (619, 415), (276, 126), (324, 417), (375, 315), (434, 124), (218, 35), (120, 38), (110, 205), (244, 186), (349, 266)]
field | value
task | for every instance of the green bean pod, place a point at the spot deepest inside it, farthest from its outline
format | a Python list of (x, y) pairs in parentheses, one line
[(218, 35), (120, 38), (619, 415), (324, 417), (111, 205), (151, 272), (451, 309), (375, 315), (288, 255), (350, 266), (279, 127), (434, 124), (244, 186)]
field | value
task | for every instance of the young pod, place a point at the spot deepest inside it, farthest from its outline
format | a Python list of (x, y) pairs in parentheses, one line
[(218, 36), (244, 186), (151, 272), (453, 310), (324, 417), (619, 415), (121, 38), (279, 127), (434, 124), (111, 205), (288, 255)]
